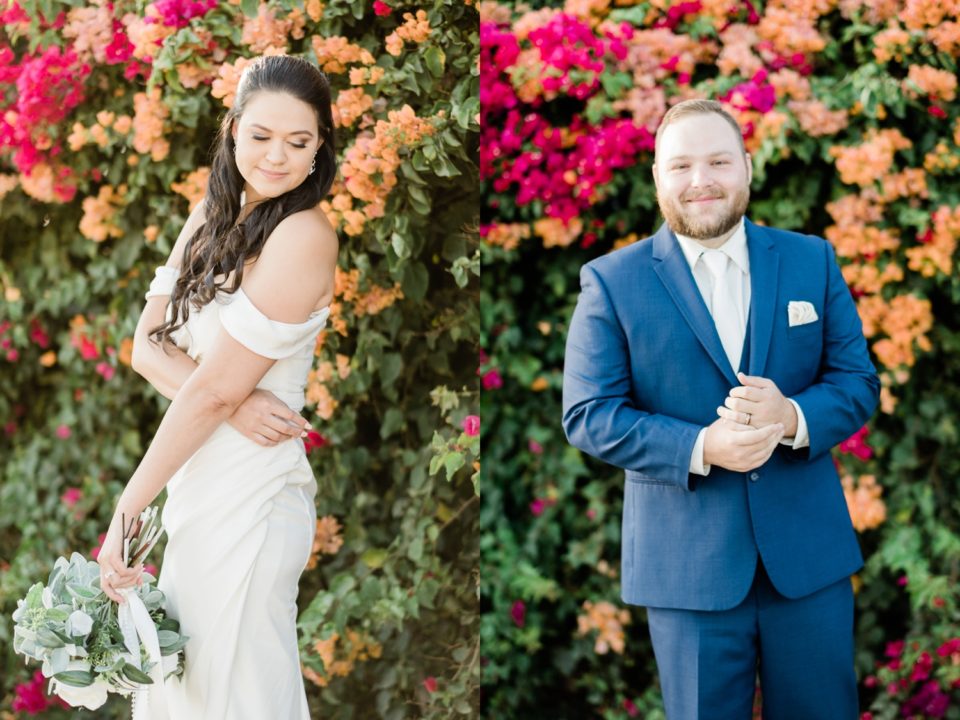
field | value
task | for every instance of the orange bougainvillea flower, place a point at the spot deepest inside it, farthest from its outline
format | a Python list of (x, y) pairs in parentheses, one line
[(936, 84), (350, 106), (506, 235), (867, 510), (556, 233), (266, 31), (335, 53), (892, 43), (415, 29), (608, 621), (99, 213), (194, 186), (863, 164), (326, 541)]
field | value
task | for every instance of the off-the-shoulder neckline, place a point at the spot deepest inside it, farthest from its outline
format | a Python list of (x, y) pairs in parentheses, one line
[(313, 314)]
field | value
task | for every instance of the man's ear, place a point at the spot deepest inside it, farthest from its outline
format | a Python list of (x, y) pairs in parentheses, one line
[(749, 161), (656, 183)]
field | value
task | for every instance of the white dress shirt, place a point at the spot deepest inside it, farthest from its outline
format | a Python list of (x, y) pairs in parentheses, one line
[(736, 249)]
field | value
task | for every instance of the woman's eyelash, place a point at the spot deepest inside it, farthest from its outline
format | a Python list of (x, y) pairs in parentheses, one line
[(257, 137)]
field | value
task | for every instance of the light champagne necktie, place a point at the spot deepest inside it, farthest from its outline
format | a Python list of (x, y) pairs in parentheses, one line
[(724, 306)]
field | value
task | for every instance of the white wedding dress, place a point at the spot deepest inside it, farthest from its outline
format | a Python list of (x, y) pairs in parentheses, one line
[(240, 521)]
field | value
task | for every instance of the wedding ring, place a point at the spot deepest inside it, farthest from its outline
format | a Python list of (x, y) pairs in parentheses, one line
[(748, 417)]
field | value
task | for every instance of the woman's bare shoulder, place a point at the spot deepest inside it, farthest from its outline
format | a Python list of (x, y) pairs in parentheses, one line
[(300, 255)]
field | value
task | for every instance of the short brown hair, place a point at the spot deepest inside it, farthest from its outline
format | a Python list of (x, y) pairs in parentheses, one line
[(698, 107)]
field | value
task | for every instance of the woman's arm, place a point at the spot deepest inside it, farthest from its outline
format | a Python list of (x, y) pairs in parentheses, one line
[(261, 417)]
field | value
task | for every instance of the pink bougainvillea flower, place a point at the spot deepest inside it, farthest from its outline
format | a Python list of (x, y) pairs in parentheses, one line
[(95, 552), (492, 380), (314, 440), (535, 447), (63, 432), (29, 697), (538, 506), (152, 569), (471, 425), (894, 649), (922, 667), (38, 334), (13, 355), (518, 613), (71, 496), (381, 8), (630, 707), (178, 13), (88, 349), (857, 445), (106, 370), (430, 684)]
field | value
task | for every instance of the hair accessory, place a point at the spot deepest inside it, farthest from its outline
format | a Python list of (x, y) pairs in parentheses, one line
[(313, 165)]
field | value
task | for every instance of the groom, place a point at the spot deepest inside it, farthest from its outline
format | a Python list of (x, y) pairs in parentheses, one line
[(718, 362)]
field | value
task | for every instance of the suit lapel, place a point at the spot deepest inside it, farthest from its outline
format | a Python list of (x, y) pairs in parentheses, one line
[(764, 270), (674, 272)]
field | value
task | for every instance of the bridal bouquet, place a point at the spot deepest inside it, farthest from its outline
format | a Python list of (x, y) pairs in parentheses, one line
[(88, 645)]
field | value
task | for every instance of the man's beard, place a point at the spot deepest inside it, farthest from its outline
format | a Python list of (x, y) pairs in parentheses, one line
[(683, 222)]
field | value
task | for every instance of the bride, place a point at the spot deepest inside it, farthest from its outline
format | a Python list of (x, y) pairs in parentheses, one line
[(228, 333)]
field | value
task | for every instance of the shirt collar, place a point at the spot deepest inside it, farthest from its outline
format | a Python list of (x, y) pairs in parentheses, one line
[(735, 247)]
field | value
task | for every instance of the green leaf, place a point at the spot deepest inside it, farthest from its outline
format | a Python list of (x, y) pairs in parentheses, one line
[(374, 557), (76, 678), (138, 676), (416, 280), (415, 550), (435, 60)]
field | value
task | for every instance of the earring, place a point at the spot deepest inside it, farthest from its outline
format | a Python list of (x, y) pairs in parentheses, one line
[(313, 165)]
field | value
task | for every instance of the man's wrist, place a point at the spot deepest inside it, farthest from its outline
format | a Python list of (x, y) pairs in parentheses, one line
[(789, 419)]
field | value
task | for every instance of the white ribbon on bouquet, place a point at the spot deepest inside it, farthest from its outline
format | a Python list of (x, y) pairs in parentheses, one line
[(136, 625)]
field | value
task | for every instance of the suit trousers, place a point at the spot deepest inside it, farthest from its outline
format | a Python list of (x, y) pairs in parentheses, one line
[(708, 661)]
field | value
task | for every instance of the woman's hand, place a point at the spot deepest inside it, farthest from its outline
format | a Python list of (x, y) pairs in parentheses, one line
[(267, 420), (114, 574)]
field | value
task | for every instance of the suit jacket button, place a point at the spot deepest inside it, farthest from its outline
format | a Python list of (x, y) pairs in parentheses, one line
[(754, 476)]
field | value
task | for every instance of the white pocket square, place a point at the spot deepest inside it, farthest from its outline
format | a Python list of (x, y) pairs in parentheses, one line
[(801, 312)]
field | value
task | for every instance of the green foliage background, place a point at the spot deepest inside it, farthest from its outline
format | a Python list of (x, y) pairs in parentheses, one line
[(551, 516), (407, 575)]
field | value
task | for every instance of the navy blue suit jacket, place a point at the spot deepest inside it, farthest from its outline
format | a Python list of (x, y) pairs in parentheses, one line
[(645, 370)]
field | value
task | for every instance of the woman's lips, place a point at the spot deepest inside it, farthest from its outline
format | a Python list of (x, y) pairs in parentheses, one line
[(272, 176)]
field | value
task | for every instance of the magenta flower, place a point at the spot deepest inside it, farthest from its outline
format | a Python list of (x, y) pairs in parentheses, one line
[(894, 649), (538, 506), (922, 667), (630, 707), (38, 335), (430, 684), (491, 380), (106, 370), (152, 569), (30, 698), (63, 432), (314, 440), (71, 496), (518, 613), (471, 425), (535, 447), (95, 552), (950, 647), (857, 445), (381, 9)]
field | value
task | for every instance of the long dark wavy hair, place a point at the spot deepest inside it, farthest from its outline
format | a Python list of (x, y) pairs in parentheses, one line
[(220, 246)]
